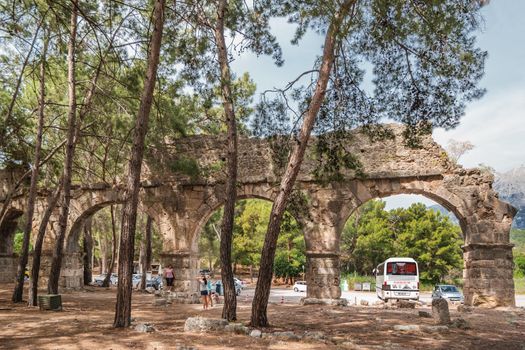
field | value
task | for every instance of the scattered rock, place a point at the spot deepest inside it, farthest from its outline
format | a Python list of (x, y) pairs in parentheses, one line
[(201, 324), (434, 329), (406, 304), (460, 323), (150, 290), (315, 335), (144, 328), (378, 303), (237, 328), (440, 311), (464, 308), (425, 314), (364, 302), (255, 333), (406, 327), (160, 302), (286, 335), (316, 301)]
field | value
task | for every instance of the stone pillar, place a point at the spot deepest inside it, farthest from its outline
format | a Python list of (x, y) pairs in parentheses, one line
[(8, 268), (72, 272), (185, 268), (323, 275), (487, 274)]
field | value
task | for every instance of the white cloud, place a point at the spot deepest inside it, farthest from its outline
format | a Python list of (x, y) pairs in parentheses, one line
[(496, 126)]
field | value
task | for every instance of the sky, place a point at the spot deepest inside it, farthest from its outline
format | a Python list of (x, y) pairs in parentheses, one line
[(495, 124)]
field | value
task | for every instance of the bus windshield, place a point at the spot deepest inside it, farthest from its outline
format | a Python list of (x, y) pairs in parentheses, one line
[(401, 268)]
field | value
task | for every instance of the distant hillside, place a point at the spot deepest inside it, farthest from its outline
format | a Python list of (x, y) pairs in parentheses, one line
[(511, 188)]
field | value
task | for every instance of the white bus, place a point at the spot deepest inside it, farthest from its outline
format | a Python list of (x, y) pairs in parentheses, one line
[(397, 278)]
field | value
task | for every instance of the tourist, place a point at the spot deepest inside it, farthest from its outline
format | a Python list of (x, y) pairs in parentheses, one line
[(169, 276), (210, 291), (203, 287)]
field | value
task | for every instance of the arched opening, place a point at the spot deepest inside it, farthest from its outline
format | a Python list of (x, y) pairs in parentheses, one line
[(413, 226), (250, 225), (94, 237), (8, 231)]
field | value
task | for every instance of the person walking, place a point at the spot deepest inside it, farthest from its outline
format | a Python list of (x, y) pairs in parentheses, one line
[(210, 291), (169, 276), (203, 287)]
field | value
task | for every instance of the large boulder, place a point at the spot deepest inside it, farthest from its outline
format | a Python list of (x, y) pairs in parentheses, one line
[(201, 324)]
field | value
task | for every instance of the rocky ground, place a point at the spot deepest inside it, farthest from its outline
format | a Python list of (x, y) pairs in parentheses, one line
[(85, 323)]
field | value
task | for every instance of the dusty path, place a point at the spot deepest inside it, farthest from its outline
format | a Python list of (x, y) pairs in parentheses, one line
[(86, 322)]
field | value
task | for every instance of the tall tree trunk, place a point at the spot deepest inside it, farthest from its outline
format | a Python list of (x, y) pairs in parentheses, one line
[(229, 311), (105, 283), (19, 288), (146, 263), (88, 252), (70, 150), (37, 251), (259, 316), (129, 212)]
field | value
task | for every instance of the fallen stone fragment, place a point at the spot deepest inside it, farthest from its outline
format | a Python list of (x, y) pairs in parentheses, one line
[(364, 302), (460, 323), (316, 301), (440, 311), (144, 328), (201, 324), (255, 333), (464, 308), (425, 314), (315, 335), (407, 327), (237, 328), (286, 335), (434, 329)]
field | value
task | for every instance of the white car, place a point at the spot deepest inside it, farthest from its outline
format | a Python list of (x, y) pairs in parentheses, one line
[(299, 286)]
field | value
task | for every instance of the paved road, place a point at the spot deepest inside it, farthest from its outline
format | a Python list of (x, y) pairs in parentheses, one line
[(287, 295)]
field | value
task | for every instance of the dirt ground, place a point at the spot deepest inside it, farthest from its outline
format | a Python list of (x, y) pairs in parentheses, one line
[(85, 323)]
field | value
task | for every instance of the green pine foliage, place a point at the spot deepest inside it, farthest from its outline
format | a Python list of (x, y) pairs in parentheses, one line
[(251, 222), (372, 235)]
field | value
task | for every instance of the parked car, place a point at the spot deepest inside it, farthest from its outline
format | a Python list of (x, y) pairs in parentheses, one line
[(448, 292), (151, 281), (98, 280), (299, 286), (238, 287)]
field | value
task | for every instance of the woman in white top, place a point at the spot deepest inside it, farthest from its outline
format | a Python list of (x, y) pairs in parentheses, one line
[(203, 286)]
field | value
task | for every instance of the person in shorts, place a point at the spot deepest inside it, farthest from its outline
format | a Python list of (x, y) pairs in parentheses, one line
[(169, 276), (203, 287)]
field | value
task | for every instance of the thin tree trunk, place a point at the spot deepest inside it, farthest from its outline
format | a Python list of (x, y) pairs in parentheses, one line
[(88, 252), (259, 317), (70, 150), (37, 251), (146, 263), (129, 212), (105, 283), (19, 288), (229, 311)]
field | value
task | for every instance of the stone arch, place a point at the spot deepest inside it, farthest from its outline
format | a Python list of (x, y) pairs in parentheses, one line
[(206, 210), (8, 228), (430, 187)]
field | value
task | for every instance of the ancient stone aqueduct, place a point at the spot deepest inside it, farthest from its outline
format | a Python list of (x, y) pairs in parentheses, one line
[(181, 205)]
